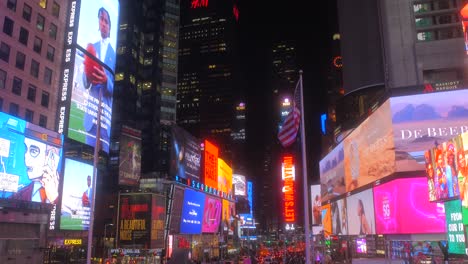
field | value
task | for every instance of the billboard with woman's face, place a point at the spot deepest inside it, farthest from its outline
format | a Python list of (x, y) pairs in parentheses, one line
[(360, 213)]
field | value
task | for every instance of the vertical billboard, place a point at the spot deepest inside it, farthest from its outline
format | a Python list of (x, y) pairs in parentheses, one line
[(247, 219), (135, 220), (224, 177), (87, 80), (30, 162), (316, 203), (210, 168), (77, 195), (369, 150), (464, 20), (360, 213), (401, 199), (455, 228), (462, 157), (339, 217), (185, 155), (332, 173), (239, 184), (192, 212), (176, 210), (288, 175), (130, 156), (422, 121), (211, 214), (227, 217), (327, 219), (158, 220)]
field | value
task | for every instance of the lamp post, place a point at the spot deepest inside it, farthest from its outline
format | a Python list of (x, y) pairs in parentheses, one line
[(105, 240)]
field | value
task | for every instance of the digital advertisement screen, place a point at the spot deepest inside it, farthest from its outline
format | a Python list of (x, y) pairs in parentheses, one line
[(463, 176), (288, 175), (339, 217), (464, 20), (227, 216), (424, 120), (248, 218), (455, 227), (77, 195), (30, 162), (130, 156), (211, 215), (192, 212), (316, 203), (442, 169), (239, 183), (88, 73), (210, 173), (158, 220), (332, 174), (369, 154), (327, 219), (361, 245), (185, 155), (403, 199), (135, 220), (360, 213), (176, 210), (224, 177)]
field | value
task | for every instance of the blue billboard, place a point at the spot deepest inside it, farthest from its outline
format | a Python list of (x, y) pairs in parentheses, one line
[(247, 219), (192, 212)]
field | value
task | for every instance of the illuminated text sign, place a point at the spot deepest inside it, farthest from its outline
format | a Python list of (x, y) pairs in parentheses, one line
[(288, 175)]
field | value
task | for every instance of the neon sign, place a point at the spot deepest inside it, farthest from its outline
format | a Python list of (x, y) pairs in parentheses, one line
[(288, 176), (199, 3)]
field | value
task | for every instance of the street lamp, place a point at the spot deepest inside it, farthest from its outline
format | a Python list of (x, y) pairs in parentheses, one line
[(105, 240)]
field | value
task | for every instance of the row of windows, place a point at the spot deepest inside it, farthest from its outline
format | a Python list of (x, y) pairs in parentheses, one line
[(11, 4), (23, 37), (439, 34), (17, 89), (40, 22), (13, 110)]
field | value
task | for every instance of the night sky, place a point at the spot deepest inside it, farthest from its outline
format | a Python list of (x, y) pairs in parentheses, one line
[(311, 24)]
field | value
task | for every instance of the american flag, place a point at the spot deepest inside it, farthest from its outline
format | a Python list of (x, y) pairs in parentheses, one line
[(288, 132)]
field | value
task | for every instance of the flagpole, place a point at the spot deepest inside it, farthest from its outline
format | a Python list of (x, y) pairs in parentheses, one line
[(304, 175)]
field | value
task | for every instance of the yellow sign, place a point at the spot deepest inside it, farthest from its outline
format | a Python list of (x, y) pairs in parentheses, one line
[(67, 242)]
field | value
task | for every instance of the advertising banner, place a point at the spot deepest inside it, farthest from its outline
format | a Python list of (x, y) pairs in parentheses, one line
[(224, 177), (77, 195), (176, 210), (135, 219), (316, 203), (239, 183), (185, 155), (332, 173), (130, 156), (401, 199), (247, 219), (360, 213), (462, 157), (158, 219), (369, 153), (30, 162), (288, 175), (327, 219), (227, 216), (210, 171), (211, 215), (455, 228), (192, 212), (339, 217), (92, 68)]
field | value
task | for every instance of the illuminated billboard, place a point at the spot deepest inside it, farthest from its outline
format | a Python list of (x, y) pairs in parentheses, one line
[(369, 153), (239, 183), (176, 210), (134, 226), (192, 212), (210, 168), (339, 217), (185, 155), (401, 199), (332, 173), (77, 195), (327, 219), (316, 203), (360, 213), (288, 175), (247, 219), (224, 177), (130, 156), (87, 80), (455, 228), (229, 211), (211, 215), (464, 20)]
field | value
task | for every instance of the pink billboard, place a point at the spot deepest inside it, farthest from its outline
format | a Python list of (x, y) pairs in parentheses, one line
[(401, 207), (211, 215)]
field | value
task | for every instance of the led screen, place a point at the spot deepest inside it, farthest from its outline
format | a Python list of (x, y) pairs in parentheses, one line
[(224, 177), (210, 172), (228, 216), (185, 155), (135, 220), (327, 219), (192, 212), (360, 212), (176, 210), (462, 157), (339, 221), (402, 199), (130, 156), (239, 183), (361, 245), (88, 73), (332, 174), (77, 195), (455, 228), (248, 218), (316, 203), (211, 215)]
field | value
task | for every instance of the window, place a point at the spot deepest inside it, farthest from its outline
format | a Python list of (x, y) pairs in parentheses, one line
[(43, 121), (53, 31), (43, 4), (17, 83), (50, 53), (3, 76), (40, 22), (37, 45), (47, 76), (29, 115), (45, 99), (20, 59), (1, 104), (14, 109), (34, 68), (8, 26), (23, 36), (32, 93), (27, 11), (55, 9), (4, 52), (11, 4)]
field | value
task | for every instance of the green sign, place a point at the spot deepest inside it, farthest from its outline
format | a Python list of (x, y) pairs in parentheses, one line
[(455, 228)]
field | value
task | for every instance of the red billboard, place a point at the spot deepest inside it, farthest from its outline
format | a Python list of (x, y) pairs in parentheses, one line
[(288, 176), (210, 168)]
